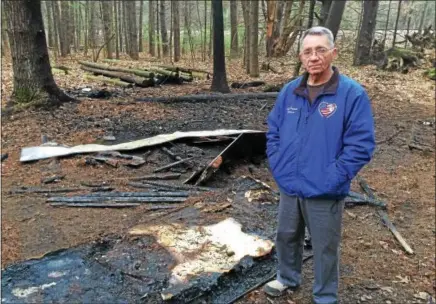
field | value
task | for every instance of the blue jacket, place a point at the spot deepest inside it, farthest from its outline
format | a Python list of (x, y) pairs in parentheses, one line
[(315, 150)]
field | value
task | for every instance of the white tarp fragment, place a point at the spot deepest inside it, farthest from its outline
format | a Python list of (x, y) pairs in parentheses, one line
[(41, 152), (203, 251)]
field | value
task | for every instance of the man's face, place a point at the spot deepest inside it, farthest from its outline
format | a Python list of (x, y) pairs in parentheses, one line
[(317, 55)]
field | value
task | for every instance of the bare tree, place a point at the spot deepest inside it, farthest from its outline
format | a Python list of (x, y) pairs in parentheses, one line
[(117, 41), (151, 30), (233, 28), (163, 30), (325, 9), (50, 27), (271, 14), (176, 29), (387, 24), (278, 20), (254, 39), (132, 29), (396, 23), (334, 18), (363, 50), (33, 80), (141, 26), (219, 80), (423, 13), (290, 29), (245, 4), (107, 27)]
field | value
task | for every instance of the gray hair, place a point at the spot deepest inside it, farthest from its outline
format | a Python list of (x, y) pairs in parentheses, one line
[(320, 31)]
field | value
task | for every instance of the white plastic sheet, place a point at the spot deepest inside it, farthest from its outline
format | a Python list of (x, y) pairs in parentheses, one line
[(42, 152)]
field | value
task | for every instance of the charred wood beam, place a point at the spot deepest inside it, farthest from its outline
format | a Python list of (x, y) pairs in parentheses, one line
[(88, 199), (209, 97), (96, 205), (167, 176), (142, 194), (384, 216), (43, 190), (169, 166), (169, 186)]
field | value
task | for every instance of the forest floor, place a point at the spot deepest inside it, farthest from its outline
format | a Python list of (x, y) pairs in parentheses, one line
[(374, 267)]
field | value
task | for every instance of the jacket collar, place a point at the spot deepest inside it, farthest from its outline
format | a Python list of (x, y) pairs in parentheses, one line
[(330, 87)]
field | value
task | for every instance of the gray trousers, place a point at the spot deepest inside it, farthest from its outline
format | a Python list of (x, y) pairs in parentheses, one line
[(323, 218)]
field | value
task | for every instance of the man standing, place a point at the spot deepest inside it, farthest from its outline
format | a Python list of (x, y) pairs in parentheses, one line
[(321, 133)]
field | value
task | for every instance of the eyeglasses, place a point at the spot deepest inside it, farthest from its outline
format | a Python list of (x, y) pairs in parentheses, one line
[(320, 51)]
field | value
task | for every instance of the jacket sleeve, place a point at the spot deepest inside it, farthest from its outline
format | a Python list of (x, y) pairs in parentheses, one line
[(273, 133), (358, 138)]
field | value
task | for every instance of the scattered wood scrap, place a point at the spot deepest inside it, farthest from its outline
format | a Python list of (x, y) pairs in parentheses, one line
[(250, 84), (165, 176), (96, 205), (169, 166), (52, 179), (25, 189), (384, 216), (148, 184), (114, 198)]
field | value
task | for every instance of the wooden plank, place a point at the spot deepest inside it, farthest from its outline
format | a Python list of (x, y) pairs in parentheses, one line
[(384, 216)]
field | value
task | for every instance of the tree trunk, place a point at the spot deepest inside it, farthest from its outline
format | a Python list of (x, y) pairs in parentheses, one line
[(120, 26), (141, 26), (205, 31), (33, 80), (325, 9), (50, 26), (59, 28), (158, 38), (163, 30), (86, 27), (246, 13), (219, 81), (71, 25), (126, 27), (387, 24), (407, 30), (396, 23), (5, 43), (139, 81), (209, 52), (78, 31), (254, 39), (286, 30), (117, 33), (290, 30), (311, 13), (92, 25), (309, 25), (132, 30), (362, 53), (271, 13), (107, 27), (64, 29), (335, 16), (233, 28), (176, 29), (278, 20), (171, 32), (151, 30), (421, 20)]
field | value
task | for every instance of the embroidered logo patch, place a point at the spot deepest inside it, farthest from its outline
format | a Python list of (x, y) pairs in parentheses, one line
[(292, 110), (327, 109)]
